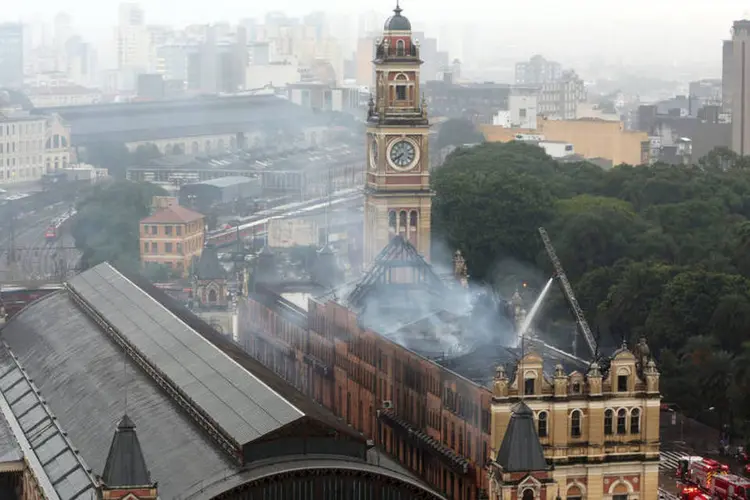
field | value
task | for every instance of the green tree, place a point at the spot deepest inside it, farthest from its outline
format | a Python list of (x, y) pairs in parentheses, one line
[(145, 153), (660, 251), (457, 132), (106, 228), (114, 156)]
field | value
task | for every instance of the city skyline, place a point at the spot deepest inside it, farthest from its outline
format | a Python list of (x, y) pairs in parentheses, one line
[(670, 33)]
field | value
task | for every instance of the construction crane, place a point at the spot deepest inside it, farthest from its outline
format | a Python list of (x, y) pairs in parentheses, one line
[(583, 326)]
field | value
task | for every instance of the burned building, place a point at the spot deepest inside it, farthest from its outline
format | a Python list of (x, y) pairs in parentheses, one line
[(430, 370), (430, 390)]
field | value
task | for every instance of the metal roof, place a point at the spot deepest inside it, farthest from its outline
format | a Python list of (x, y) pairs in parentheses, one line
[(60, 470), (521, 450), (231, 180), (240, 403), (87, 382)]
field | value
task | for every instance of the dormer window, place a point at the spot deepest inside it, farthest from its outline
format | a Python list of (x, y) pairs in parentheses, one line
[(622, 383), (576, 387), (528, 387)]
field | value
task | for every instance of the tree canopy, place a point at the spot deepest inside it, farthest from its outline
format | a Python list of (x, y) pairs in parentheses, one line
[(106, 227), (657, 251), (116, 158), (457, 132)]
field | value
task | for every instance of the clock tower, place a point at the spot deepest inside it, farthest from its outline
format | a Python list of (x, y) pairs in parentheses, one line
[(397, 191)]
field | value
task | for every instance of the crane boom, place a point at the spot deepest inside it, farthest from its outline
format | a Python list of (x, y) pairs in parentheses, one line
[(568, 291)]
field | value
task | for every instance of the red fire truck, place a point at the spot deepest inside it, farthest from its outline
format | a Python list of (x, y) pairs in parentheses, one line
[(693, 493), (683, 466), (703, 472), (731, 487)]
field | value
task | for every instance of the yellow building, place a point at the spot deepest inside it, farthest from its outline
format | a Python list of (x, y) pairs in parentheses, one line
[(591, 138), (172, 236), (599, 430)]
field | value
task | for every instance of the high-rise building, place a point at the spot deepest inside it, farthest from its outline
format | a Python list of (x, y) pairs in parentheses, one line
[(740, 87), (398, 197), (537, 71), (11, 55), (726, 76), (133, 44)]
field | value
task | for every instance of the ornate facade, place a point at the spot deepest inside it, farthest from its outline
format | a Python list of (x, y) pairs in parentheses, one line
[(398, 200), (600, 429)]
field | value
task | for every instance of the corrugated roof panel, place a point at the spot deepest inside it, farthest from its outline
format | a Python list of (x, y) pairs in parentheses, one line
[(240, 403), (92, 378), (55, 463)]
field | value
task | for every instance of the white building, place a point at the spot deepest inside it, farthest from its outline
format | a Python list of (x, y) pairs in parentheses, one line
[(521, 113), (133, 42), (30, 145), (557, 149)]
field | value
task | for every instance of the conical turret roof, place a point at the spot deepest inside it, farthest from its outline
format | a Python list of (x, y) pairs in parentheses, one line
[(125, 466)]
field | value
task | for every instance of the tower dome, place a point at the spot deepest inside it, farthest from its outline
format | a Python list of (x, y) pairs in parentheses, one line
[(397, 22)]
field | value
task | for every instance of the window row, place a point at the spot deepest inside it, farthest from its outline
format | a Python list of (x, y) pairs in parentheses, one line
[(622, 423)]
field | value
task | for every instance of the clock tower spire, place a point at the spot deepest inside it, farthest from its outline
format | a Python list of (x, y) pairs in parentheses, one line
[(397, 191)]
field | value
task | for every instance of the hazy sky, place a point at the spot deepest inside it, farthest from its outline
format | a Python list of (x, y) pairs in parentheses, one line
[(667, 31)]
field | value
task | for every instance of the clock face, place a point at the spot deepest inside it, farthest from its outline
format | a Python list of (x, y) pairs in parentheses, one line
[(374, 154), (402, 154)]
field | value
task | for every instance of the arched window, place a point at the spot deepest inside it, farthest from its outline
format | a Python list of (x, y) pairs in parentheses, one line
[(609, 422), (542, 424), (528, 494), (212, 296), (402, 220), (207, 146), (635, 421), (622, 427), (392, 220), (195, 148), (413, 218), (574, 493), (575, 424), (400, 48), (221, 145)]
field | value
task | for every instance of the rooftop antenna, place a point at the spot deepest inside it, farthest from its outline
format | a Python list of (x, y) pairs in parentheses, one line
[(125, 385)]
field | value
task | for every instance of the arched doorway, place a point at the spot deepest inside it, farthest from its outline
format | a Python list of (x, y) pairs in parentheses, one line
[(528, 494)]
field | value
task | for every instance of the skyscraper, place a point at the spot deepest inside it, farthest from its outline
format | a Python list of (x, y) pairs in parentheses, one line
[(726, 75), (740, 87), (11, 55)]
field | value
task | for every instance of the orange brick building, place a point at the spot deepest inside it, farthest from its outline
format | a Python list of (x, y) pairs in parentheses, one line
[(172, 236)]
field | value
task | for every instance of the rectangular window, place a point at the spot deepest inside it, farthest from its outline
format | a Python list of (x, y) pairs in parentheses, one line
[(168, 230), (400, 92), (179, 248), (622, 383), (522, 112), (154, 247), (153, 229), (179, 230), (145, 247), (168, 248), (528, 387)]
